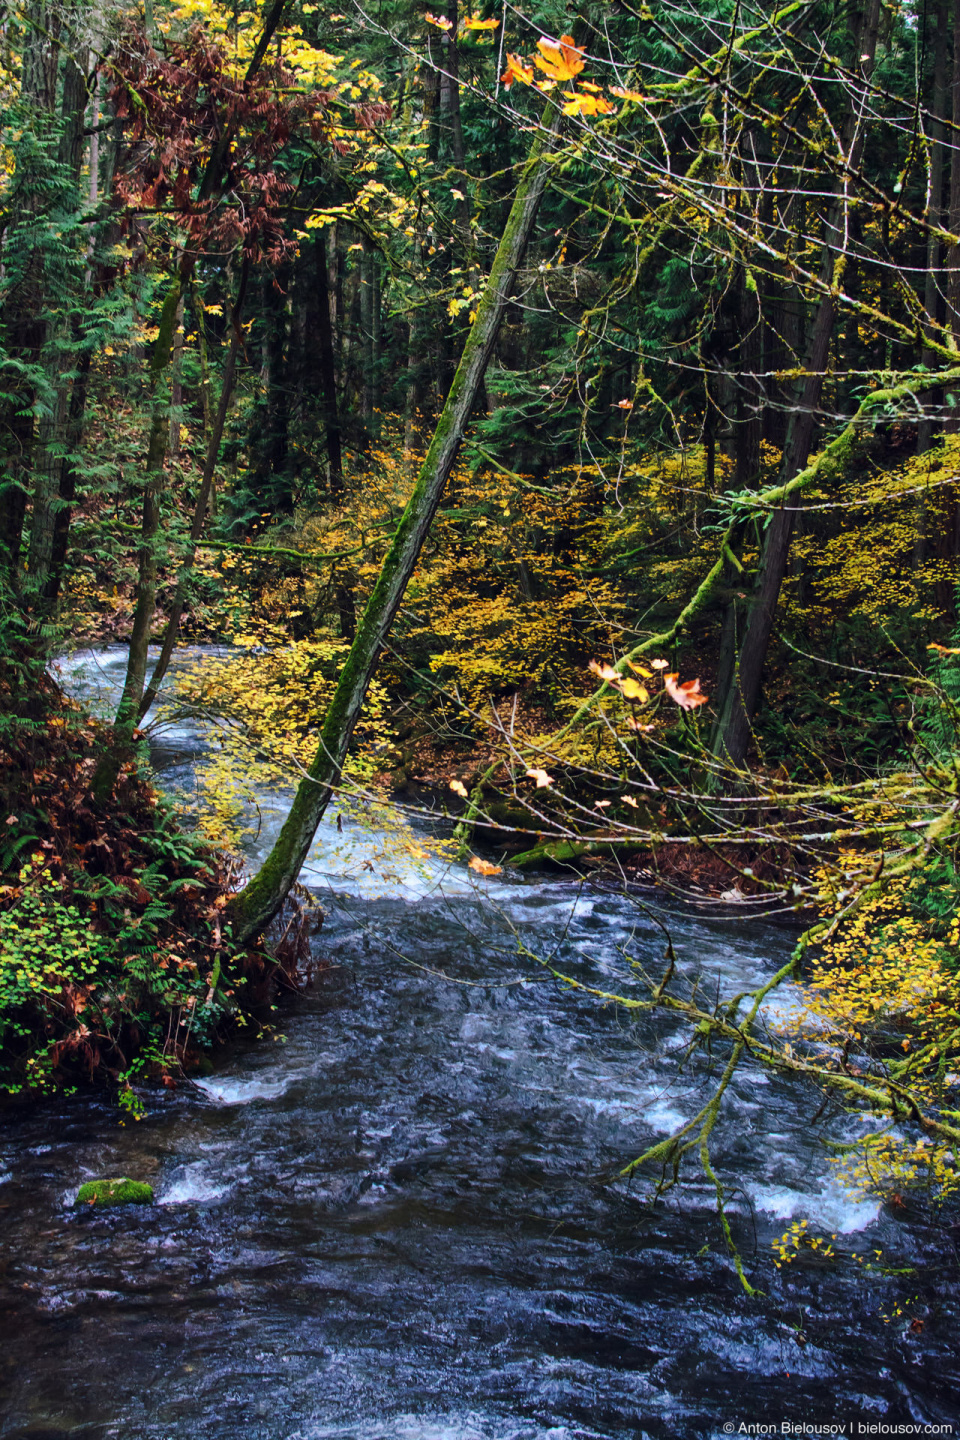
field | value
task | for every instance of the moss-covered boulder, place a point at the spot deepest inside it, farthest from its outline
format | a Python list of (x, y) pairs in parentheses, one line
[(115, 1192)]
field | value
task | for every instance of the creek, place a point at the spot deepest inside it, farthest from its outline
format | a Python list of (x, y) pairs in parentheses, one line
[(403, 1221)]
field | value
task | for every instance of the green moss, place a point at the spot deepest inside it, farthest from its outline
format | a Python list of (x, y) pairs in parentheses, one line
[(562, 852), (115, 1192)]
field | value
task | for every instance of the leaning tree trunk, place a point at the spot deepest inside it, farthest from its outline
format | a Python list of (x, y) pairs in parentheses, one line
[(256, 905), (738, 704)]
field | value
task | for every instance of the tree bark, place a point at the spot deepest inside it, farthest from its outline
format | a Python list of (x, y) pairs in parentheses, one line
[(256, 905)]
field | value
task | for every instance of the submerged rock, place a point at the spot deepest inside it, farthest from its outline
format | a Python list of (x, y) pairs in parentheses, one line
[(115, 1192)]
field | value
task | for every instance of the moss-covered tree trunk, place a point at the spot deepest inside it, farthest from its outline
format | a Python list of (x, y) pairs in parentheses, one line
[(256, 906)]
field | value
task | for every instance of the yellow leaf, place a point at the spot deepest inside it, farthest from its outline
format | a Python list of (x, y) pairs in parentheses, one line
[(629, 800), (544, 781), (439, 20), (458, 788), (633, 690), (474, 24), (483, 867), (622, 94)]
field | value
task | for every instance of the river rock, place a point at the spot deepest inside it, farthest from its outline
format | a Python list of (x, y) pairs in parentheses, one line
[(115, 1192)]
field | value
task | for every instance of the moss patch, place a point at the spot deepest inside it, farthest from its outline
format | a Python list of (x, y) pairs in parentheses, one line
[(115, 1192)]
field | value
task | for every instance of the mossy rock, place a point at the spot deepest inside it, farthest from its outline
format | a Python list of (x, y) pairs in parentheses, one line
[(115, 1192)]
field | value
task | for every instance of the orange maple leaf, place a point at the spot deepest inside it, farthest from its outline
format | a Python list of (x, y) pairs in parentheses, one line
[(578, 104), (516, 70), (605, 672), (483, 867), (687, 695), (559, 60)]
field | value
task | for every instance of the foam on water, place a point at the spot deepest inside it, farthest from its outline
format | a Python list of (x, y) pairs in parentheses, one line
[(193, 1185), (829, 1207), (232, 1090), (417, 1427)]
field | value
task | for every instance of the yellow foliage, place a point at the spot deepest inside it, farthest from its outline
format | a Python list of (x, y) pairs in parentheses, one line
[(266, 707), (884, 991), (879, 562)]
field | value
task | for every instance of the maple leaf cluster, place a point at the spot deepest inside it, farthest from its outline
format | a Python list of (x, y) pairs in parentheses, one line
[(185, 107), (560, 62), (687, 695)]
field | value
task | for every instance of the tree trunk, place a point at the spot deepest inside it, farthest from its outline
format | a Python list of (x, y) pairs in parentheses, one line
[(68, 477), (25, 322), (176, 386), (51, 430), (328, 369), (738, 704), (256, 906), (749, 405), (367, 342), (129, 707), (952, 419), (203, 499), (932, 281)]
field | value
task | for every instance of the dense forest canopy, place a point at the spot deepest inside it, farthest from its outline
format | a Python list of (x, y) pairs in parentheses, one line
[(564, 406)]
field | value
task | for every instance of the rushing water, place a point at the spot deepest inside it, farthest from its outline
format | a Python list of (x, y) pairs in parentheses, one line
[(401, 1223)]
